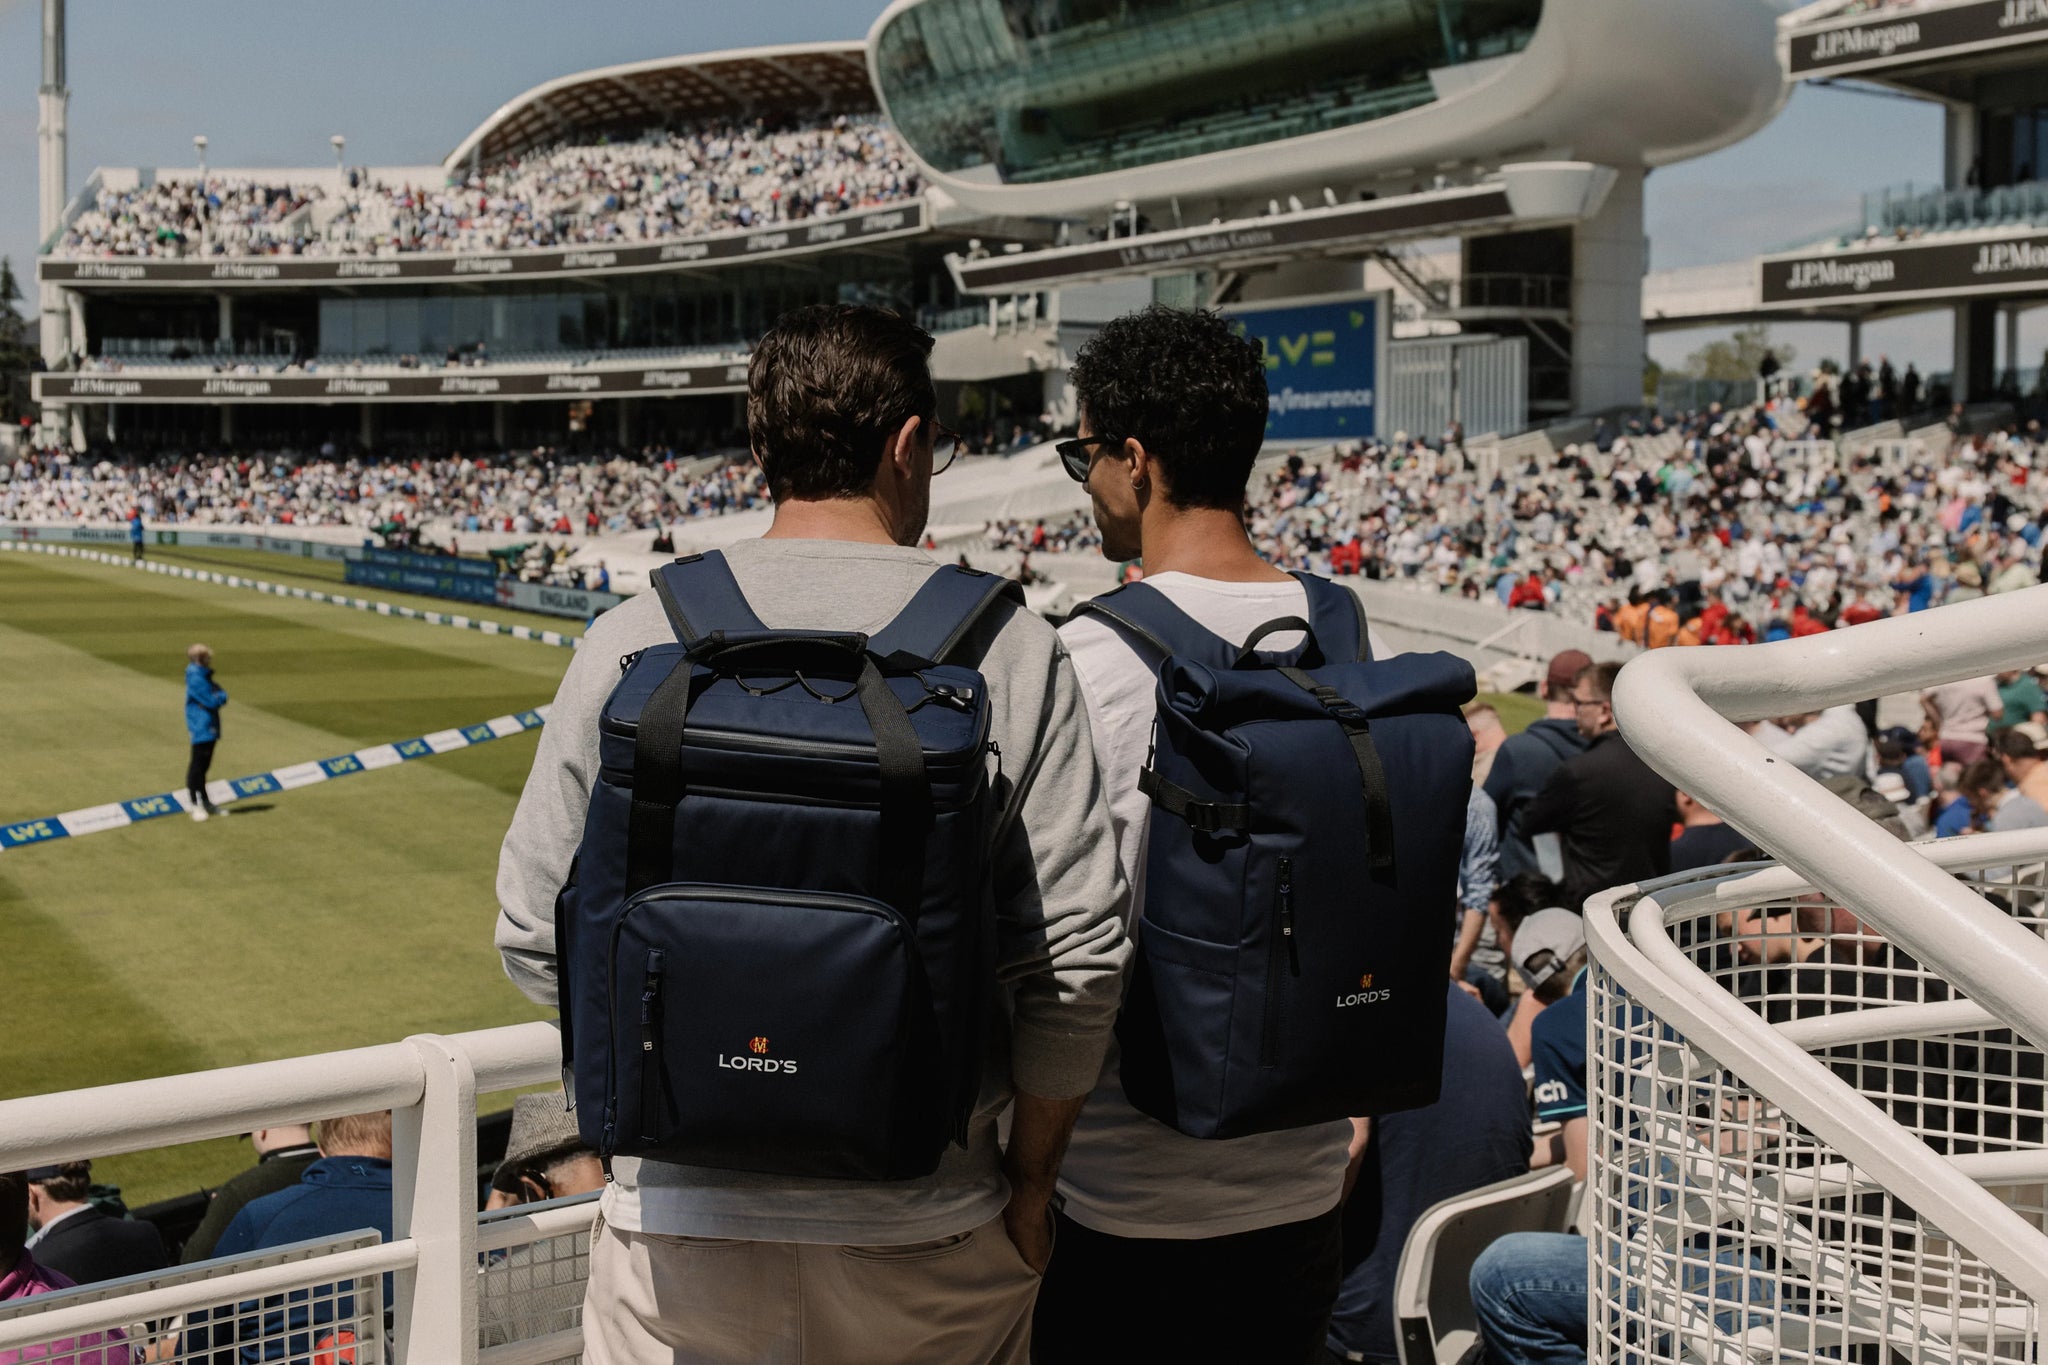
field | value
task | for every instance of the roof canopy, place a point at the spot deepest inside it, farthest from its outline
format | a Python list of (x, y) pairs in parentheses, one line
[(745, 83)]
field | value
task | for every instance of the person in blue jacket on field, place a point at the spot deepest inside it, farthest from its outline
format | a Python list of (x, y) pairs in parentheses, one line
[(135, 533), (203, 700)]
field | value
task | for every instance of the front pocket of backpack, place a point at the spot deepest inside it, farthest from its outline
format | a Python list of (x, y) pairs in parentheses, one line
[(1176, 1030), (767, 1030)]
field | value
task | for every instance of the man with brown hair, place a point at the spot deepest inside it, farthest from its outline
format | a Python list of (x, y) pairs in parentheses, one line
[(691, 1263), (81, 1241), (21, 1278), (1611, 813)]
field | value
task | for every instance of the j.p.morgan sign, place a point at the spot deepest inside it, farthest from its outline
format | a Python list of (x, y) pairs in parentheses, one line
[(458, 385), (1892, 37), (1979, 265), (234, 272)]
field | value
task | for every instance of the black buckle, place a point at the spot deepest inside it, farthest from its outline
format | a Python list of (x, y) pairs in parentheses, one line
[(1204, 817)]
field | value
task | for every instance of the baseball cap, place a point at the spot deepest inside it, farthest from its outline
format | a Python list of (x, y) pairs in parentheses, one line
[(1565, 669), (1545, 942)]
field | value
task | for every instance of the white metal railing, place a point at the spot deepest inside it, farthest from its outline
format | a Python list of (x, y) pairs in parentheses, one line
[(1815, 1089), (430, 1083)]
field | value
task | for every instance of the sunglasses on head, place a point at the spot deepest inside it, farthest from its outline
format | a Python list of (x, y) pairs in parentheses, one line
[(1075, 456)]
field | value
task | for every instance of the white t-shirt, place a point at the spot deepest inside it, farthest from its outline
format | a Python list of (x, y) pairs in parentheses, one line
[(1127, 1174)]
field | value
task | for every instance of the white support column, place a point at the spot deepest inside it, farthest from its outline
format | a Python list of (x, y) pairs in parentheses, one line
[(433, 1202), (2012, 342), (500, 415), (1609, 258), (366, 426), (1855, 343), (1959, 143)]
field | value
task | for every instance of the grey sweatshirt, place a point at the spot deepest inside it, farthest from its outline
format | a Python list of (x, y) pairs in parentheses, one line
[(1060, 893)]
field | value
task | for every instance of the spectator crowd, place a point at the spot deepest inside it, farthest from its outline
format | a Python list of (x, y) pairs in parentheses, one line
[(542, 491), (1715, 531), (667, 183)]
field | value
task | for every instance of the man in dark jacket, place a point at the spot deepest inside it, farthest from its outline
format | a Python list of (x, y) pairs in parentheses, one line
[(1524, 762), (88, 1244), (282, 1156), (1612, 814), (203, 700), (348, 1189)]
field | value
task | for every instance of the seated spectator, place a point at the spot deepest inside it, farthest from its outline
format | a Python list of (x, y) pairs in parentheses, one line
[(21, 1277), (1821, 744), (347, 1190), (1476, 1133), (1898, 751), (2023, 753), (2024, 700), (77, 1239), (1550, 954), (1488, 734), (535, 1289), (1476, 959), (1707, 839), (1514, 902), (282, 1156)]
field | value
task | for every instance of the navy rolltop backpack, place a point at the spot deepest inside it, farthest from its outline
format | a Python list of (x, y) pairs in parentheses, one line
[(776, 950), (1308, 813)]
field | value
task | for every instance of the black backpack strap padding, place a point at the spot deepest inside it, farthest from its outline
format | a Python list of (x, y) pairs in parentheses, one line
[(941, 613), (716, 602), (906, 792), (1206, 816), (1339, 617), (1150, 616), (657, 782), (1372, 776)]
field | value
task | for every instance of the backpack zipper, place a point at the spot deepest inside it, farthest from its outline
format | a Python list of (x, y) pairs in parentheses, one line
[(1280, 943), (650, 1057)]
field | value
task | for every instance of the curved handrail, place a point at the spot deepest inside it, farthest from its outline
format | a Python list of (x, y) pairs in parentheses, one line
[(1771, 1062), (1677, 709)]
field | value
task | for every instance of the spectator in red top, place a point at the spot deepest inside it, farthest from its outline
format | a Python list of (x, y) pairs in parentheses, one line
[(1529, 593), (1805, 622), (1859, 612)]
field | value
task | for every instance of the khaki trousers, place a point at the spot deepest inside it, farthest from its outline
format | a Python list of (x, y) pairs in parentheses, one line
[(653, 1300)]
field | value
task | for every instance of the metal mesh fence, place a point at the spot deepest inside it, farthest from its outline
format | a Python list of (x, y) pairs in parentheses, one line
[(534, 1288), (1721, 1228), (317, 1319)]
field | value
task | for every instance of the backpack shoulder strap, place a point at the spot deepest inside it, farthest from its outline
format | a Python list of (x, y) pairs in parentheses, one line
[(1337, 616), (1145, 614), (704, 581), (942, 612)]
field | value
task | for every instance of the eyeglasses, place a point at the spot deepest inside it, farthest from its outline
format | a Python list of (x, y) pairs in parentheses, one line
[(1589, 701), (1074, 454), (946, 445)]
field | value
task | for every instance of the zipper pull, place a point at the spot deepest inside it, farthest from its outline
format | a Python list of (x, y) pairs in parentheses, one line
[(1002, 796), (650, 994), (1287, 915), (626, 661)]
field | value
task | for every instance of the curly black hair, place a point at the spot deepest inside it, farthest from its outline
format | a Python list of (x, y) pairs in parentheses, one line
[(1190, 388)]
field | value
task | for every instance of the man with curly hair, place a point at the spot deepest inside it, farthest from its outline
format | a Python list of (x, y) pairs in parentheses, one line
[(1172, 416)]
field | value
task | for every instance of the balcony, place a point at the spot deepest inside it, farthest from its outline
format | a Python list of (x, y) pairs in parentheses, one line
[(1909, 210)]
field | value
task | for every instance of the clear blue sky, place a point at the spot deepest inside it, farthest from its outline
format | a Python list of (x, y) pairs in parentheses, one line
[(268, 81)]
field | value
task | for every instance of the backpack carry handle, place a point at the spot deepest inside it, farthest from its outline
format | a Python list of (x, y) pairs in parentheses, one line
[(1308, 654), (713, 650)]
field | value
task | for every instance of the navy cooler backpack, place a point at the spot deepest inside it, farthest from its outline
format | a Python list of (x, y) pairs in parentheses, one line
[(1308, 818), (776, 948)]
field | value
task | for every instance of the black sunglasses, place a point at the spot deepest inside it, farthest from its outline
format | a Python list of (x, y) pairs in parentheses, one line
[(1074, 454)]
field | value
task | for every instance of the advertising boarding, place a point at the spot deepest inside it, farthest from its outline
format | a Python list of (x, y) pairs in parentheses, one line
[(1325, 364), (461, 580)]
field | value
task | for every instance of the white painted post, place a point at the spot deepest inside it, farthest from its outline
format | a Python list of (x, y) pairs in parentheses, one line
[(433, 1197)]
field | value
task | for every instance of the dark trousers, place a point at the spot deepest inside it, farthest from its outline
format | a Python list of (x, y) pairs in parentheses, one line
[(195, 771), (1247, 1299)]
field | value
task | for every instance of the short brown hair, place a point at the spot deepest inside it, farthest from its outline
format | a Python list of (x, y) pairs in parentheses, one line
[(72, 1182), (1600, 677), (357, 1135), (828, 386)]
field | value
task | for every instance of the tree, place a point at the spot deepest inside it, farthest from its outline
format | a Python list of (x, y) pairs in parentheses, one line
[(1739, 356), (17, 348)]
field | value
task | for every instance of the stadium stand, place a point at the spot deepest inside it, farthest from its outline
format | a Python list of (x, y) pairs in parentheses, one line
[(667, 183)]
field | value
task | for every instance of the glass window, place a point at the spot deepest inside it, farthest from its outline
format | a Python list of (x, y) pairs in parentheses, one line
[(404, 336), (1049, 89), (337, 326), (373, 327)]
